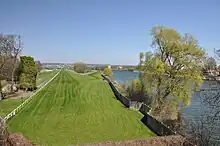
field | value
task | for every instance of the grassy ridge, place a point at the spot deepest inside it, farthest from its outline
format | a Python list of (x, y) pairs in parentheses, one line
[(76, 109)]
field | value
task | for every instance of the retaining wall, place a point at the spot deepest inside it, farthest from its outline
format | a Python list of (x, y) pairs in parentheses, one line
[(124, 100), (153, 124)]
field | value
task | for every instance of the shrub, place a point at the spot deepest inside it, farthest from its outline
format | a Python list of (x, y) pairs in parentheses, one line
[(80, 67), (108, 72)]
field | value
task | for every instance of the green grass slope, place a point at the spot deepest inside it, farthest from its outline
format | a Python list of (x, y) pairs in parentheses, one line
[(75, 109), (7, 105), (45, 76)]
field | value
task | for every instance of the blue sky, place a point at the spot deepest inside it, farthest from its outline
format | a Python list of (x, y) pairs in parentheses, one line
[(104, 31)]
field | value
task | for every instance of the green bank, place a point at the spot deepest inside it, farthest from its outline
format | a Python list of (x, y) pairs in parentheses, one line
[(75, 109)]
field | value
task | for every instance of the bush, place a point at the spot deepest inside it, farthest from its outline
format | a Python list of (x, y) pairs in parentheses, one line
[(80, 67), (108, 72)]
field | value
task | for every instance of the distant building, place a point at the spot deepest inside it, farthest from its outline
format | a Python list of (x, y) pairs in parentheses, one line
[(109, 66)]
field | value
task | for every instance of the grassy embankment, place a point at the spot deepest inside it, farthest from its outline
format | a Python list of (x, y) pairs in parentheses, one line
[(75, 109), (6, 106)]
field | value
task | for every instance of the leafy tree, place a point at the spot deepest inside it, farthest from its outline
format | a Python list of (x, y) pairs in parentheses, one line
[(28, 73), (108, 72), (134, 91), (80, 67), (173, 72)]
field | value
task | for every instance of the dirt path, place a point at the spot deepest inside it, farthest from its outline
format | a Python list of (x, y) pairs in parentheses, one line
[(20, 94)]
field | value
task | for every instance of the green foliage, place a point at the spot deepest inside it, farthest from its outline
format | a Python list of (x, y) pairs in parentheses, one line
[(175, 68), (76, 110), (108, 72), (135, 90), (80, 67), (28, 73)]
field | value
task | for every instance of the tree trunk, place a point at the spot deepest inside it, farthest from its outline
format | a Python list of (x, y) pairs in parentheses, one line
[(12, 80), (12, 74), (1, 95)]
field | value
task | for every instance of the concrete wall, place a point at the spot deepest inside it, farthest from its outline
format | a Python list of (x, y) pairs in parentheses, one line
[(153, 124)]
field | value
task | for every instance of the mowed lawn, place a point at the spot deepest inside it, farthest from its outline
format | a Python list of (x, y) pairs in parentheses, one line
[(7, 105), (76, 109), (45, 76)]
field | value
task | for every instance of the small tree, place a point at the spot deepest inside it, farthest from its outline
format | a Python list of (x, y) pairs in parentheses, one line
[(80, 67), (135, 91), (173, 72), (28, 73), (108, 72)]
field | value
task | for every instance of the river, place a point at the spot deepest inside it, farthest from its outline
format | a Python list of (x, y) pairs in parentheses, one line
[(192, 112)]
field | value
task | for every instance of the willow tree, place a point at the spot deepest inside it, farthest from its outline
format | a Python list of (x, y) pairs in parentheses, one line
[(173, 72)]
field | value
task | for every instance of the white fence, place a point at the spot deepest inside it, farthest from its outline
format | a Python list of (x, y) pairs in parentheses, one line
[(17, 109)]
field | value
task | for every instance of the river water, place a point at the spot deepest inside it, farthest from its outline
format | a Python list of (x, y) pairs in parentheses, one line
[(192, 112)]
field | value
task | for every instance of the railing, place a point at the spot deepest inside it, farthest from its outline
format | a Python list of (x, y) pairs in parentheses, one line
[(17, 109)]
